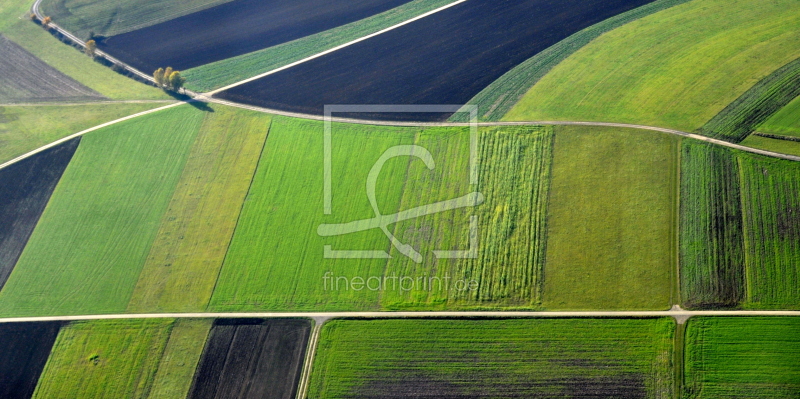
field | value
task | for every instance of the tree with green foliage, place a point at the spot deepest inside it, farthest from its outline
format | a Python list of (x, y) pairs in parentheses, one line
[(91, 48), (176, 81), (158, 76)]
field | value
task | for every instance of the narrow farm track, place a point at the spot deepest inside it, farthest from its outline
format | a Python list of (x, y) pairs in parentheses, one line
[(320, 317), (88, 103)]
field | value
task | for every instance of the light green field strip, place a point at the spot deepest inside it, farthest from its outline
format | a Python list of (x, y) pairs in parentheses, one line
[(742, 357), (187, 254), (785, 122), (676, 68), (181, 356), (93, 238), (112, 17), (275, 260), (514, 171), (77, 65), (499, 97), (611, 220), (225, 72), (494, 358), (104, 359), (771, 144), (27, 128), (771, 209)]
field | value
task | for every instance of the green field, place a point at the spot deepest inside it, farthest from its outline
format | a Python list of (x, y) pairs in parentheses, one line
[(105, 359), (499, 97), (746, 357), (676, 68), (72, 62), (494, 358), (181, 356), (222, 73), (712, 239), (611, 224), (771, 209), (186, 256), (93, 238), (765, 98), (784, 122), (772, 144), (26, 128), (110, 17)]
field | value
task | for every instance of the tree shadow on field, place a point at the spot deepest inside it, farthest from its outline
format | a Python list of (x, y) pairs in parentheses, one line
[(202, 106)]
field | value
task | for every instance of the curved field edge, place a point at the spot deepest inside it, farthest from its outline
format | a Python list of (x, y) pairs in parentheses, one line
[(229, 71), (785, 122), (676, 68), (499, 97), (494, 358)]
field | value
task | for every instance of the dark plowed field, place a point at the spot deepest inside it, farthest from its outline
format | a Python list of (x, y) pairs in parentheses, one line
[(25, 189), (445, 58), (252, 359), (235, 28), (24, 348), (25, 78)]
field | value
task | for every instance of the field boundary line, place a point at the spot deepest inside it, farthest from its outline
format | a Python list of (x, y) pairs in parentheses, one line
[(675, 312), (308, 362), (83, 132), (337, 48), (43, 104)]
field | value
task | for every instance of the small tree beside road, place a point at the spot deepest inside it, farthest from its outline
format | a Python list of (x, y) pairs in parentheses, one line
[(169, 79), (91, 48)]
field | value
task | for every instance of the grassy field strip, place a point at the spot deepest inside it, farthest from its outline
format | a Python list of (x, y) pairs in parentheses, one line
[(350, 43), (784, 122), (765, 98), (676, 68), (498, 98), (277, 229), (742, 357), (494, 358), (712, 237), (181, 356), (771, 209), (220, 73), (772, 145), (98, 359), (514, 170), (83, 132), (25, 128), (91, 103), (187, 254), (590, 261), (93, 238)]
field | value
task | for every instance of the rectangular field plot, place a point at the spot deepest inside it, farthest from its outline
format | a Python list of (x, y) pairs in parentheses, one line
[(121, 359), (575, 358), (279, 257), (740, 233), (252, 359), (25, 189), (93, 238), (445, 58), (234, 28), (24, 348), (742, 357), (27, 79), (611, 220)]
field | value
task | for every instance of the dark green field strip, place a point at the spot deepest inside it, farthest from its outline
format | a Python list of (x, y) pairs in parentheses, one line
[(24, 348), (712, 238), (740, 118), (494, 358), (771, 206), (25, 189), (743, 357), (496, 99), (92, 240), (252, 358), (514, 178)]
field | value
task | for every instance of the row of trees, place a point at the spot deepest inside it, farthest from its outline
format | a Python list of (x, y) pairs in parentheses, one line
[(169, 79)]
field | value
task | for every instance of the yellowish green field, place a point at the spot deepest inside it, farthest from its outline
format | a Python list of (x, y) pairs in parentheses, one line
[(676, 68), (24, 128), (784, 122), (181, 355), (611, 220), (187, 254), (93, 238)]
